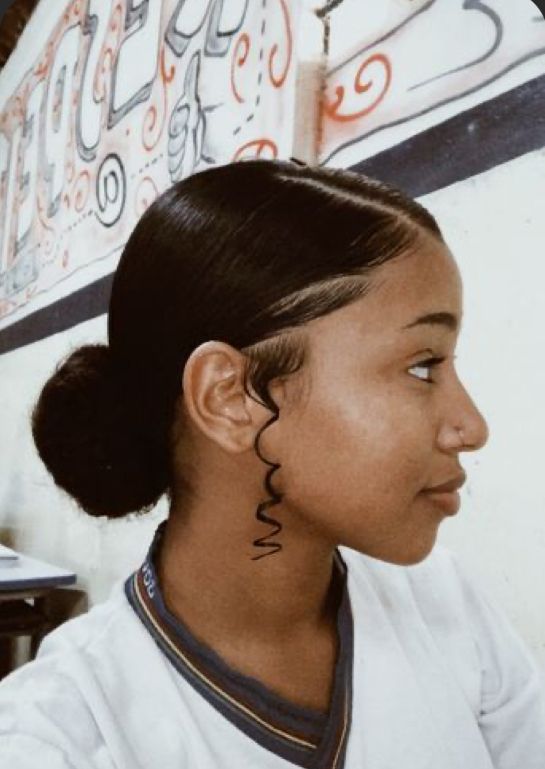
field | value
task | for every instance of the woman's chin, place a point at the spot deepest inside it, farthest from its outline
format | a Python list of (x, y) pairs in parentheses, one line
[(402, 554)]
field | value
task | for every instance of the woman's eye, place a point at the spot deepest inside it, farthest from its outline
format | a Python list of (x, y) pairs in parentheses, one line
[(429, 363)]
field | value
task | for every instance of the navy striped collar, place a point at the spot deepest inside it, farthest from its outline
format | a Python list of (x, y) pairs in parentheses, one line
[(302, 736)]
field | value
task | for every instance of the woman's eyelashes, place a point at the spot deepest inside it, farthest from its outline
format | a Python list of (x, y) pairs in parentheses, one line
[(428, 363)]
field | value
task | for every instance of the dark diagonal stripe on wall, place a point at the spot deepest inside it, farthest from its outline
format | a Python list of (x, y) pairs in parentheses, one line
[(4, 5), (467, 144), (85, 303)]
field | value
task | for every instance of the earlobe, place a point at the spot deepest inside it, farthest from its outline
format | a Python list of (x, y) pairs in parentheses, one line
[(215, 398)]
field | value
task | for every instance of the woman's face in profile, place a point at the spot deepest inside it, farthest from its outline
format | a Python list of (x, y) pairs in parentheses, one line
[(368, 432)]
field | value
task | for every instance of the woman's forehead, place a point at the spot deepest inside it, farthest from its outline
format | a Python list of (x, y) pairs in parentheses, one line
[(417, 291), (424, 281)]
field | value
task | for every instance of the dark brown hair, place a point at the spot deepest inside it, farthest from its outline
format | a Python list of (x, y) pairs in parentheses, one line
[(244, 253)]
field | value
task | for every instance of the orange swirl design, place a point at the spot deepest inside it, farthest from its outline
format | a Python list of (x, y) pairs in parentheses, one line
[(117, 15), (166, 77), (80, 190), (260, 145), (277, 81), (331, 109), (145, 194), (239, 62), (149, 123), (151, 118)]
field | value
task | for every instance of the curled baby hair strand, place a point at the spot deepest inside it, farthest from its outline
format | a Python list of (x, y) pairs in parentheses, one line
[(246, 253), (274, 499), (267, 360)]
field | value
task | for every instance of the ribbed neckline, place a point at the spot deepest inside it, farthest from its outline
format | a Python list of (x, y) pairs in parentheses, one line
[(300, 735)]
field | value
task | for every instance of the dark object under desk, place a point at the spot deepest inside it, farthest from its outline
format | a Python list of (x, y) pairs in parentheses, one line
[(25, 587)]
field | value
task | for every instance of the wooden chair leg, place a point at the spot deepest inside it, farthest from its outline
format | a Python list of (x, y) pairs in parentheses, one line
[(40, 604), (6, 656), (35, 640)]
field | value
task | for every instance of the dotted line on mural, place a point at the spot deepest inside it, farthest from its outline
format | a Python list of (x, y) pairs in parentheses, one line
[(90, 212), (78, 221), (260, 68), (150, 163)]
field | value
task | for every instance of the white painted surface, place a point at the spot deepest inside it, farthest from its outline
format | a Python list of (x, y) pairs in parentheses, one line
[(415, 63), (495, 228)]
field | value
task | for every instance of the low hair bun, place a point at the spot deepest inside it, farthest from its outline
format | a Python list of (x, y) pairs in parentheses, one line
[(85, 425)]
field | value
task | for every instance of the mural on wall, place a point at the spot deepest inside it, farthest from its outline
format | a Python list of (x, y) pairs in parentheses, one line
[(418, 65), (124, 99)]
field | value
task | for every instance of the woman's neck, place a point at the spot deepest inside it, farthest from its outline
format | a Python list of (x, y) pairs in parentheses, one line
[(209, 580)]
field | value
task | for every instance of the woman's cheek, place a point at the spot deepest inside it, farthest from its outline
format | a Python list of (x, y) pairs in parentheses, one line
[(350, 441)]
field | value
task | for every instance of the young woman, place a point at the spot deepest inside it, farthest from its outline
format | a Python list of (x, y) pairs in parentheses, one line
[(280, 363)]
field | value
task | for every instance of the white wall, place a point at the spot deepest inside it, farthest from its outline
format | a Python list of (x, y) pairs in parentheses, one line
[(494, 225), (492, 222)]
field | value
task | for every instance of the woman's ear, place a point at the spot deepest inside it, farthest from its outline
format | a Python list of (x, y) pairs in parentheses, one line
[(215, 399)]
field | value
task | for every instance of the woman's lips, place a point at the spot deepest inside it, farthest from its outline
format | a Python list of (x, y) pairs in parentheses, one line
[(448, 501), (445, 495), (451, 485)]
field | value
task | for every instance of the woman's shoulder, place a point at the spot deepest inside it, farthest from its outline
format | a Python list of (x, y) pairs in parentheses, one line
[(443, 598), (441, 595), (75, 690), (102, 618), (82, 642), (43, 703), (443, 589), (80, 636)]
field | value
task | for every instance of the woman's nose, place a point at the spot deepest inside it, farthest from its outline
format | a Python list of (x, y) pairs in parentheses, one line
[(474, 428), (465, 428)]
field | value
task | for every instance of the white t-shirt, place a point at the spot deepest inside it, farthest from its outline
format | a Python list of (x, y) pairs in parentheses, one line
[(429, 675)]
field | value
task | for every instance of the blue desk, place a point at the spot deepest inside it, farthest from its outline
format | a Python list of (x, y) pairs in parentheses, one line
[(20, 572)]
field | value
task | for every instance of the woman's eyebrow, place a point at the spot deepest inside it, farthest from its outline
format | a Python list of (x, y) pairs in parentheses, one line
[(441, 318)]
